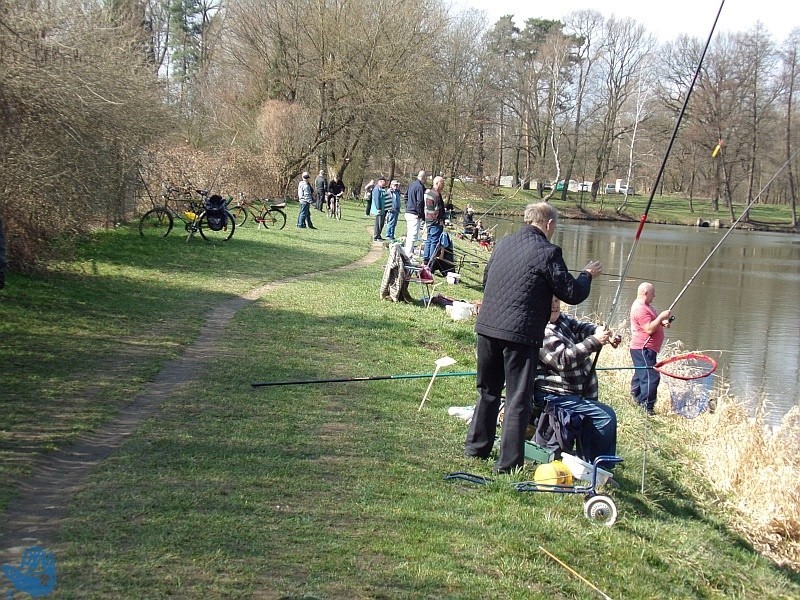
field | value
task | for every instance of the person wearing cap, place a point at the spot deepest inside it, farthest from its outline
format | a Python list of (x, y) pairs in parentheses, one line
[(320, 190), (306, 196), (378, 208), (392, 209)]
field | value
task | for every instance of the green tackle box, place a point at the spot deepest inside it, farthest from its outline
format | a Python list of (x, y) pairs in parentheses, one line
[(537, 454)]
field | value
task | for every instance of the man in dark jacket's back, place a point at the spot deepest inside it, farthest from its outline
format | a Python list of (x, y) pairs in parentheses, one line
[(415, 211), (523, 274)]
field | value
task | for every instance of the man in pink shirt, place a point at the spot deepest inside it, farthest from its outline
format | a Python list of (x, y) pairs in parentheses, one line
[(647, 335)]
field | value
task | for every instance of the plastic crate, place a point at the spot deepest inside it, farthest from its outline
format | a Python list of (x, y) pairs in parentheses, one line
[(537, 454)]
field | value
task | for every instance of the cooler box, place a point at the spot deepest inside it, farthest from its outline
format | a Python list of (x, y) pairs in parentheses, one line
[(537, 454)]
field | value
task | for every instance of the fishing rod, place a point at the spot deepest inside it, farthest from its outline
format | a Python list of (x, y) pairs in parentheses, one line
[(730, 230), (402, 376), (660, 173), (367, 378)]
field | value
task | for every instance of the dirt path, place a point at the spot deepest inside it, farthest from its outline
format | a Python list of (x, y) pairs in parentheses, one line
[(34, 517)]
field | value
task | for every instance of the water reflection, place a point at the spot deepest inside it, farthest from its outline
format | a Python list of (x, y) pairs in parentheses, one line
[(742, 307)]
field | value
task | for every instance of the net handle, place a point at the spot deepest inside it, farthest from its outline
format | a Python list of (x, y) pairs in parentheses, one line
[(710, 363)]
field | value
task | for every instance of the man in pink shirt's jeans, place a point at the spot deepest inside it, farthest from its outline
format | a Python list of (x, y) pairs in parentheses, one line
[(647, 336)]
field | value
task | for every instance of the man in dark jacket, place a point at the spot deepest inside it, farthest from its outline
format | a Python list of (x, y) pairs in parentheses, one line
[(415, 211), (521, 278)]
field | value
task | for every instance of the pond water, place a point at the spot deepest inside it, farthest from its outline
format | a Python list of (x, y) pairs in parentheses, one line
[(742, 308)]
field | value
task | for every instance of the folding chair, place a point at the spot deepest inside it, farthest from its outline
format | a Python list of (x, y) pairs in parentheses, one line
[(421, 274), (400, 272)]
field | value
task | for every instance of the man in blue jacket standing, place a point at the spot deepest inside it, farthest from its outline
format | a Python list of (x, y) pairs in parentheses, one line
[(378, 209), (523, 274), (392, 209)]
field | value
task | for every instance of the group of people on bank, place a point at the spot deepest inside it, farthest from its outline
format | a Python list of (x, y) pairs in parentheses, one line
[(323, 193), (384, 202), (531, 357), (423, 207), (539, 358)]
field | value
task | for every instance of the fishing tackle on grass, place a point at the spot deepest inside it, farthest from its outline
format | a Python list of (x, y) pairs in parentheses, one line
[(671, 367)]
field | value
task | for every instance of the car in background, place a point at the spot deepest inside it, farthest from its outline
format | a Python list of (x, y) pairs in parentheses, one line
[(585, 186), (610, 189), (546, 185), (626, 189)]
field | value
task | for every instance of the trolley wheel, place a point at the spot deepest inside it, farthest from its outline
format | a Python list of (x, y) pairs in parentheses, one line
[(601, 509)]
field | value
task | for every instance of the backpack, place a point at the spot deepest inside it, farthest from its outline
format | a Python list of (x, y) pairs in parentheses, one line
[(215, 212)]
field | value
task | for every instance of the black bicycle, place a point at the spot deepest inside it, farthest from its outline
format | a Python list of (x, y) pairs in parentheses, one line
[(335, 205), (205, 213)]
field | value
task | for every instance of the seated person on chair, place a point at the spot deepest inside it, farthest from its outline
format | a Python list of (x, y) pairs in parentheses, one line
[(565, 379)]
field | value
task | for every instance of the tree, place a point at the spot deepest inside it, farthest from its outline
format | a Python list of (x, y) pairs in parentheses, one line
[(78, 106), (625, 49), (356, 79), (790, 75)]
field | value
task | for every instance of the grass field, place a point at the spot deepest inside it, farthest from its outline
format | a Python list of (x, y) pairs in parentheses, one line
[(674, 210), (325, 491)]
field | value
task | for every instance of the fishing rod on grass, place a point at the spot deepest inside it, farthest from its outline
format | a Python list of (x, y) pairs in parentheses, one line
[(661, 366)]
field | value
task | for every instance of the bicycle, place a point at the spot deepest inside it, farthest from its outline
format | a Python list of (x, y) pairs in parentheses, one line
[(335, 206), (208, 216), (266, 213)]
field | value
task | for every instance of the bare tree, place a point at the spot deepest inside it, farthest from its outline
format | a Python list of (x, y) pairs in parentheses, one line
[(790, 75), (78, 104), (587, 26), (626, 47)]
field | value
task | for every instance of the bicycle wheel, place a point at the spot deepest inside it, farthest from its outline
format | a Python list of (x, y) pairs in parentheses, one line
[(156, 222), (239, 213), (273, 218), (339, 209), (328, 209), (217, 235)]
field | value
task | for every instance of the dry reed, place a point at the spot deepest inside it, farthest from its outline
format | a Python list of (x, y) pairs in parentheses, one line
[(753, 470)]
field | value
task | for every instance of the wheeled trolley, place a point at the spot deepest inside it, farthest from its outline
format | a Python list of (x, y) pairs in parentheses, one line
[(596, 507)]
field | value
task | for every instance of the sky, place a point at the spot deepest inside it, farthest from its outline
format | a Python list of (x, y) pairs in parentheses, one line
[(665, 19)]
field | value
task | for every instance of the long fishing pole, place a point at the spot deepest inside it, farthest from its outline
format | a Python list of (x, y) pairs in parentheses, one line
[(367, 378), (623, 277), (730, 230), (385, 377), (660, 173)]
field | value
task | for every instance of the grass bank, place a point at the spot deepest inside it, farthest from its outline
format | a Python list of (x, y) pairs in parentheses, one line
[(668, 210), (324, 491)]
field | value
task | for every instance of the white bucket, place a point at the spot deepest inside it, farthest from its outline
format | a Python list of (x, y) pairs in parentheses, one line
[(453, 277), (461, 310)]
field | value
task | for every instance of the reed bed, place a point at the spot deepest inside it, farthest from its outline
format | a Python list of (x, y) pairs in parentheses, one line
[(749, 469)]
